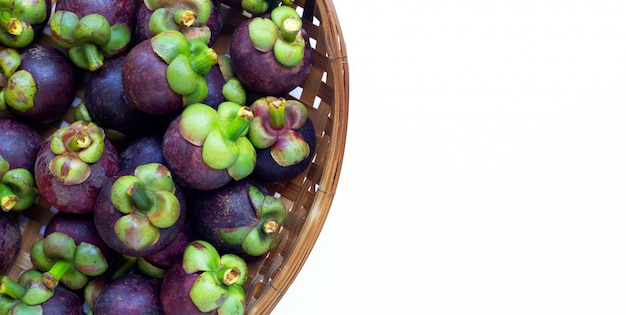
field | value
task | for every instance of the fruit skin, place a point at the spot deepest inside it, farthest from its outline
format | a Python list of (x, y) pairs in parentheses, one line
[(142, 150), (129, 294), (186, 158), (10, 239), (178, 301), (79, 198), (19, 143), (259, 71), (64, 302), (106, 215), (56, 84)]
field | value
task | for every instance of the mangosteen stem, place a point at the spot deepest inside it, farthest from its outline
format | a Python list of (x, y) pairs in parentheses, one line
[(203, 57), (11, 288), (270, 226), (277, 112), (80, 141), (290, 29), (237, 126), (229, 276), (136, 192), (93, 57), (8, 199), (11, 24), (51, 277), (184, 17)]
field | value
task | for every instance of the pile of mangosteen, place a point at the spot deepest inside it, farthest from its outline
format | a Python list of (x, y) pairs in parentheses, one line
[(153, 149)]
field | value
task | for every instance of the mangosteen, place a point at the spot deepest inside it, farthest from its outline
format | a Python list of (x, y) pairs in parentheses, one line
[(271, 54), (207, 148), (10, 240), (143, 150), (73, 164), (93, 30), (63, 259), (240, 218), (129, 294), (108, 108), (203, 282), (199, 19), (23, 22), (284, 137), (28, 295), (140, 210), (19, 144), (39, 83), (166, 72), (81, 228)]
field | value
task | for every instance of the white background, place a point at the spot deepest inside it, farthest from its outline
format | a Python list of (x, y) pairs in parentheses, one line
[(485, 165)]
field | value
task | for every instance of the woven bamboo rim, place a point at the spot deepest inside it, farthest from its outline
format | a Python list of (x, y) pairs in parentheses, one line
[(308, 197)]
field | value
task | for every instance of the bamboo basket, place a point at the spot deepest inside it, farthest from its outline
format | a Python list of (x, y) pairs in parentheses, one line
[(308, 197)]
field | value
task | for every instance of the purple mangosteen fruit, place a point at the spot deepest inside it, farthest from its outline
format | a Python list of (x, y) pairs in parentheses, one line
[(163, 74), (207, 148), (129, 294), (143, 150), (284, 137), (73, 164), (271, 54), (39, 83), (23, 21), (93, 30), (140, 210), (255, 7), (28, 295), (156, 264), (199, 19), (81, 228), (10, 240), (203, 282), (66, 260), (108, 108), (240, 218), (19, 144)]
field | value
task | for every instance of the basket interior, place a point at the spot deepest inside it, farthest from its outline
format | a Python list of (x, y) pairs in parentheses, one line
[(307, 197)]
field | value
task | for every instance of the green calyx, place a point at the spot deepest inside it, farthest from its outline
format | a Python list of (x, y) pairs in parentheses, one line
[(148, 201), (188, 17), (18, 189), (219, 284), (89, 39), (281, 33), (17, 18), (262, 236), (25, 295), (222, 135), (189, 61), (275, 124), (63, 261), (76, 147), (10, 61)]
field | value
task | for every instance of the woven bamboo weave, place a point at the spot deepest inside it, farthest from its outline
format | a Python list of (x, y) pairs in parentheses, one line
[(308, 197)]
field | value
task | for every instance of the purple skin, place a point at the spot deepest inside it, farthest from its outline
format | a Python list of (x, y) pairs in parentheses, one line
[(142, 31), (215, 81), (56, 79), (259, 71), (105, 216), (177, 283), (109, 109), (10, 239), (79, 198), (81, 228), (267, 170), (166, 257), (19, 144), (145, 83), (143, 150), (186, 164), (130, 294), (64, 302), (228, 207), (114, 11)]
